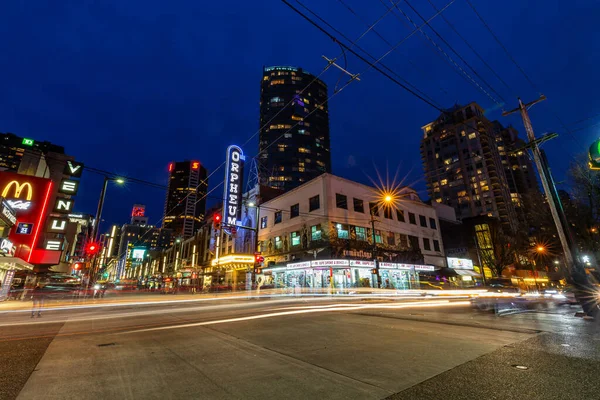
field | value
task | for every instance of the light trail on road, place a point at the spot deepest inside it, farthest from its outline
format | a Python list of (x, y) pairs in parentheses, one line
[(321, 309)]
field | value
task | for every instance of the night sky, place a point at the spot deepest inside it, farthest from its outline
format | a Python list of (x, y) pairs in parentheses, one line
[(128, 86)]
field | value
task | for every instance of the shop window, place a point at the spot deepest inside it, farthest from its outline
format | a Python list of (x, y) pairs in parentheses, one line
[(295, 239), (341, 201), (358, 205), (278, 216), (391, 239), (342, 231), (315, 232), (400, 215), (361, 233), (436, 245), (373, 209), (263, 223), (432, 223), (426, 244), (295, 210), (423, 221), (412, 218), (387, 212), (278, 243), (314, 203)]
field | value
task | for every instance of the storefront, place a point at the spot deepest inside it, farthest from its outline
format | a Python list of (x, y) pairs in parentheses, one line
[(342, 274), (232, 272)]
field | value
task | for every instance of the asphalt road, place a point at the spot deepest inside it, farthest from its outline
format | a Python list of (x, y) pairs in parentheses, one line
[(297, 349)]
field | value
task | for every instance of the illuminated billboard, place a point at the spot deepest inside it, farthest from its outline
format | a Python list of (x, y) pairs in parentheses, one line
[(28, 196), (460, 263)]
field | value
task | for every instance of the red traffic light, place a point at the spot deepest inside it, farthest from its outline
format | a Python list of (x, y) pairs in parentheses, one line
[(217, 218), (92, 248), (258, 258)]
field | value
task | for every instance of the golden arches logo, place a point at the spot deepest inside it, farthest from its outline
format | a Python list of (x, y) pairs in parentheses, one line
[(19, 187)]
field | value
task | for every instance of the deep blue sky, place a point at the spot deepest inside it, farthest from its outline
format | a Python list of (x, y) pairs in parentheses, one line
[(128, 86)]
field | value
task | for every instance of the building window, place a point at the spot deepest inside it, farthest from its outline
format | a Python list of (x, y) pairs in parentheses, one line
[(378, 238), (432, 223), (277, 217), (314, 203), (391, 239), (414, 242), (358, 205), (472, 135), (315, 232), (295, 210), (278, 243), (400, 215), (436, 245), (423, 221), (361, 233), (295, 238), (387, 212), (342, 231), (373, 209), (403, 243), (341, 201), (263, 223), (426, 244), (412, 219)]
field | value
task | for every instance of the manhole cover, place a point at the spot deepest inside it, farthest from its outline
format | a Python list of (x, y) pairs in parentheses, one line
[(106, 344)]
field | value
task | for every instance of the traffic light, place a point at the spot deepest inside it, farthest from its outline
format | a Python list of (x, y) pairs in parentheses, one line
[(258, 263), (92, 248), (77, 266), (374, 271), (594, 155), (217, 221)]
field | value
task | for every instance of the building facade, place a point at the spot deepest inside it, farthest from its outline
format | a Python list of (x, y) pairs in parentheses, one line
[(185, 203), (463, 165), (329, 218), (294, 127)]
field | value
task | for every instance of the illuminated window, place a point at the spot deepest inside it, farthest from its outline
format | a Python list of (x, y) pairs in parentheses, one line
[(265, 78), (278, 243), (277, 82), (444, 182), (296, 118), (315, 232), (295, 239), (303, 150), (282, 168), (276, 99), (472, 135), (378, 238), (342, 231), (361, 233)]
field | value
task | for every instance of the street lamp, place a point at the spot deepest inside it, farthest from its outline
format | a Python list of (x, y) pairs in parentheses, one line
[(387, 199), (101, 204)]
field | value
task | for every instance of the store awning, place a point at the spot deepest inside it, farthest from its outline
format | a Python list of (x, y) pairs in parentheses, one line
[(467, 272), (15, 263)]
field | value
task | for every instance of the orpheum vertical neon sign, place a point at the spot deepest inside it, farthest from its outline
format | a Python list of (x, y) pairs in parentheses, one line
[(234, 182)]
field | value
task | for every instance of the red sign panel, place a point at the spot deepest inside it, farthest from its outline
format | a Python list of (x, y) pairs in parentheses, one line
[(28, 196)]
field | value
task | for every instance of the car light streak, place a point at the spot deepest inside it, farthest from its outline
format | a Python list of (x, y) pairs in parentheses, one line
[(312, 310)]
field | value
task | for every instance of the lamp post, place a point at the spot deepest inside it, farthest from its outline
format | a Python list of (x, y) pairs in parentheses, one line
[(101, 204), (96, 229), (387, 199)]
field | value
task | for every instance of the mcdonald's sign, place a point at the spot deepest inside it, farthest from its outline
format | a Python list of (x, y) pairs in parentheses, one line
[(29, 197)]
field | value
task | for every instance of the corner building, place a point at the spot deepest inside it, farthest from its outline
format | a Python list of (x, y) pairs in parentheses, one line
[(294, 127)]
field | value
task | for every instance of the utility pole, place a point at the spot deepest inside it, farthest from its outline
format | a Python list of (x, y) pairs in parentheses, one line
[(574, 268), (544, 177)]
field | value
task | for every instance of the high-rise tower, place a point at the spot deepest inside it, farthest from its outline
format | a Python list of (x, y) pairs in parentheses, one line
[(294, 134), (186, 203)]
